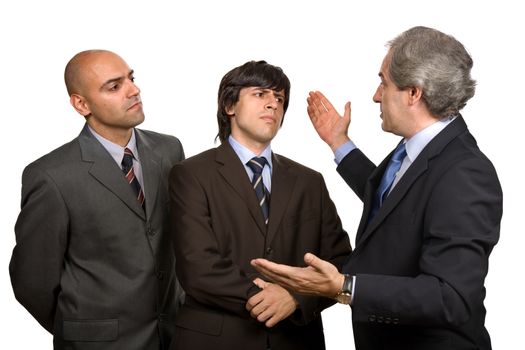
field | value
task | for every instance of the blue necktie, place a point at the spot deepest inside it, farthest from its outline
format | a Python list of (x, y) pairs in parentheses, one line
[(257, 165), (388, 178)]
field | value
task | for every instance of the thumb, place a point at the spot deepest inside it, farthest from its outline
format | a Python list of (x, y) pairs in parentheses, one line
[(348, 111), (260, 283), (313, 261)]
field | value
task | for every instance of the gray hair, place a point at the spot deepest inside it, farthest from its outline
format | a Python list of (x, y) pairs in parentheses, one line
[(438, 64)]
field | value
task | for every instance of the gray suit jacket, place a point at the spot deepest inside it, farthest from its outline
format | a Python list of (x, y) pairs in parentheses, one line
[(90, 265)]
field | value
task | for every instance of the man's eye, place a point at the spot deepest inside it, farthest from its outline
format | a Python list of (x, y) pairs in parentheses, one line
[(114, 87), (280, 99)]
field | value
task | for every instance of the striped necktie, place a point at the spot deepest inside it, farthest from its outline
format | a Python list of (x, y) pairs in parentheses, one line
[(127, 169), (257, 165)]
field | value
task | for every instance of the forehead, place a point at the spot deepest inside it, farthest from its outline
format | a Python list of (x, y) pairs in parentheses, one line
[(385, 72), (105, 66)]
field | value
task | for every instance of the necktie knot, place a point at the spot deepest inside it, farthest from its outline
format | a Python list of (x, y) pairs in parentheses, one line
[(399, 154), (257, 165), (127, 160)]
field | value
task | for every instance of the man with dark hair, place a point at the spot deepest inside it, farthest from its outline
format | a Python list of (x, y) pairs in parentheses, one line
[(93, 261), (241, 201), (432, 208)]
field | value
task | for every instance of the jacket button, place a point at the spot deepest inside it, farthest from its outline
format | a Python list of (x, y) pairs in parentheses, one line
[(160, 275), (372, 318), (151, 232), (380, 319), (269, 250), (395, 321), (388, 320)]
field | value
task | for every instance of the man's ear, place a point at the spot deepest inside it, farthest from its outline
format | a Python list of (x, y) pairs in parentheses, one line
[(230, 110), (415, 95), (80, 104)]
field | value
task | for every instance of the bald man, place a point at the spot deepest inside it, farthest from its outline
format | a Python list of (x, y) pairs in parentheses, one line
[(92, 261)]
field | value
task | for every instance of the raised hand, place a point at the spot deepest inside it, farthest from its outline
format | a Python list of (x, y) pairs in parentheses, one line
[(331, 127)]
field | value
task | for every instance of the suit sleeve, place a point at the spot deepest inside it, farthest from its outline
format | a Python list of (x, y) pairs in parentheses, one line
[(41, 239), (460, 228), (355, 169), (204, 272)]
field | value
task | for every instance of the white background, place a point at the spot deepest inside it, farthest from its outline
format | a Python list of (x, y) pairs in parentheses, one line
[(180, 51)]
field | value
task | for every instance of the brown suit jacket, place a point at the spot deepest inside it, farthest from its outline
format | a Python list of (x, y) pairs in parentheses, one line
[(219, 228)]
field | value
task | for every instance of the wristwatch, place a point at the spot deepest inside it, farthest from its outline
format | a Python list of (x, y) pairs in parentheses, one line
[(345, 295)]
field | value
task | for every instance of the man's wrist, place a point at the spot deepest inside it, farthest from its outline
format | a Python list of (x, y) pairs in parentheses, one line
[(345, 294), (338, 142)]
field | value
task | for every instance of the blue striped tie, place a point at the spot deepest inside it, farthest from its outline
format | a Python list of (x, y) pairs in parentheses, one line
[(257, 165)]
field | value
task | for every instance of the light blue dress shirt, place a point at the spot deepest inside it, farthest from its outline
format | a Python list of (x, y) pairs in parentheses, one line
[(117, 152), (414, 146), (245, 155)]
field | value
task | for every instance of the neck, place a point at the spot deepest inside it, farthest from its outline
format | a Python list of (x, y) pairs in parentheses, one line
[(118, 136), (254, 146), (419, 122)]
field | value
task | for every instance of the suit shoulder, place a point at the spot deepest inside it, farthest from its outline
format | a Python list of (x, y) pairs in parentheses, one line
[(165, 146), (58, 157), (157, 138), (296, 167), (204, 158), (464, 148)]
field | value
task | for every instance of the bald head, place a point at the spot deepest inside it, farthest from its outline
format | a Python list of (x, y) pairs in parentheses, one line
[(74, 73)]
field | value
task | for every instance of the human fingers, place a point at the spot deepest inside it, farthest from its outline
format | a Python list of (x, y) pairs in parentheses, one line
[(254, 301)]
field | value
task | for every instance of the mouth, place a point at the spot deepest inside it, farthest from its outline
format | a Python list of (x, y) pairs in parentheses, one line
[(135, 105), (268, 119)]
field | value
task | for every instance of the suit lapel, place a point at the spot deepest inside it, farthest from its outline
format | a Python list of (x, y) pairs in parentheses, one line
[(416, 169), (234, 174), (371, 186), (151, 165), (283, 182), (106, 170)]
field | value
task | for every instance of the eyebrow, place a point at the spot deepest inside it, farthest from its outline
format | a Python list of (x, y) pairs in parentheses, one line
[(277, 94), (114, 80)]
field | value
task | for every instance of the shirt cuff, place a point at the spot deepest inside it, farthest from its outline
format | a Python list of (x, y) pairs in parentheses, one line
[(353, 290), (343, 150)]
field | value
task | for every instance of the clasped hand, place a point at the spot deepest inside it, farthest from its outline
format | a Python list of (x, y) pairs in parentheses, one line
[(272, 304)]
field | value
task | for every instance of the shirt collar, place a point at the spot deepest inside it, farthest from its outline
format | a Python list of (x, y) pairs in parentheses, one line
[(117, 151), (245, 154), (416, 143)]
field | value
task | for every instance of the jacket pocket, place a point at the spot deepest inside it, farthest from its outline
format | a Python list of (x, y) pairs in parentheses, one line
[(90, 330)]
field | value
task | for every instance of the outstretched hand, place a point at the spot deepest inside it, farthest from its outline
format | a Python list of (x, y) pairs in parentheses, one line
[(331, 127), (319, 278)]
